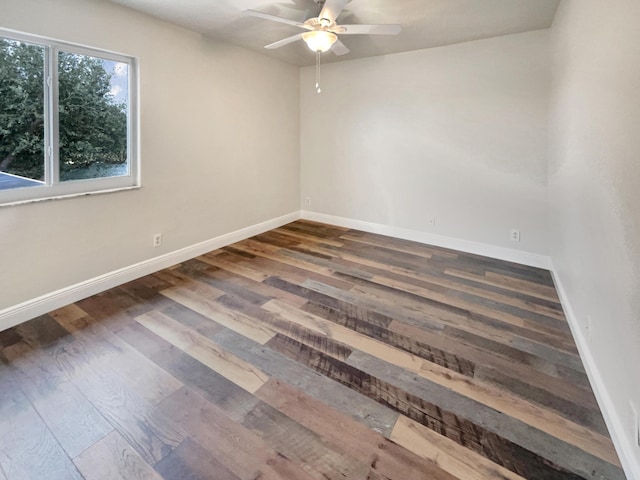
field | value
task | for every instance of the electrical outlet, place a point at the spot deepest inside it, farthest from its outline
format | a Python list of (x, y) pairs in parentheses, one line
[(431, 221), (636, 424), (157, 240), (307, 201), (515, 235)]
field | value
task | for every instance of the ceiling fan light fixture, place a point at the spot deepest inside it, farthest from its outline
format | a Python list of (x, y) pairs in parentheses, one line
[(319, 40)]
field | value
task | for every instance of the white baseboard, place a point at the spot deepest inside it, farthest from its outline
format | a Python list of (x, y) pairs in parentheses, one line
[(38, 306), (624, 447), (493, 251)]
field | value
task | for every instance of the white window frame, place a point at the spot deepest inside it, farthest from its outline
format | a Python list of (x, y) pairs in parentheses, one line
[(52, 188)]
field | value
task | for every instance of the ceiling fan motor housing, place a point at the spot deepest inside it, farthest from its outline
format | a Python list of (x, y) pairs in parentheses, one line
[(323, 30)]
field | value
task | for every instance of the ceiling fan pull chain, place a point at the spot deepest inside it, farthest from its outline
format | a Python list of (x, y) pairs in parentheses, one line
[(318, 89)]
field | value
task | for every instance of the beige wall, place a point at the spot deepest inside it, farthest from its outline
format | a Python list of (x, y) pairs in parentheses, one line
[(457, 133), (594, 178), (230, 138), (219, 143)]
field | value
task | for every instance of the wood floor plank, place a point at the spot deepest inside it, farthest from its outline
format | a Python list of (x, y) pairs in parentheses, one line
[(509, 369), (310, 238), (72, 419), (147, 298), (220, 391), (227, 282), (107, 350), (265, 290), (447, 454), (563, 453), (179, 276), (290, 272), (9, 337), (474, 306), (207, 307), (350, 436), (345, 335), (232, 444), (413, 249), (501, 401), (480, 325), (28, 450), (205, 326), (112, 458), (533, 290), (525, 353), (191, 461), (378, 417), (425, 351), (282, 295), (152, 436), (234, 267), (395, 310), (453, 283), (41, 331), (528, 452), (139, 422), (502, 279), (420, 314), (199, 347), (307, 351), (109, 308), (303, 446), (457, 327), (547, 397), (262, 250), (317, 228), (552, 307), (391, 257), (238, 252), (477, 285), (251, 315), (550, 331), (295, 330), (350, 309), (480, 264)]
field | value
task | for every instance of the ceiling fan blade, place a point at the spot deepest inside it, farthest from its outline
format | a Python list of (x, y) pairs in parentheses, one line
[(283, 42), (367, 29), (255, 13), (331, 9), (340, 48)]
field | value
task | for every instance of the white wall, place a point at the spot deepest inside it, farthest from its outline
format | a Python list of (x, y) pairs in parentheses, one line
[(594, 179), (219, 144), (457, 133)]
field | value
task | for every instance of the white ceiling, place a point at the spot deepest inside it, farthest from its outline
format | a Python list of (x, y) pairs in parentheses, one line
[(425, 23)]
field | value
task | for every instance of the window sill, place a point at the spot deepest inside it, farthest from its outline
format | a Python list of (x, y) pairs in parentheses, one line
[(71, 195)]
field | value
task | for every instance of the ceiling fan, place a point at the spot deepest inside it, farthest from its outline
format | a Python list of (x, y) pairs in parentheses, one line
[(322, 31)]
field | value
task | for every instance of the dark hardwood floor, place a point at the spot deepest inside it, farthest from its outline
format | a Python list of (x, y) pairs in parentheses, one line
[(310, 351)]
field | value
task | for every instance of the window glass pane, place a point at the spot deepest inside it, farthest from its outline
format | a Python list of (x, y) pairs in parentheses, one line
[(93, 101), (21, 114)]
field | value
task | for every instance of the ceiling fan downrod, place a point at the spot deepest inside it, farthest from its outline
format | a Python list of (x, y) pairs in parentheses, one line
[(318, 89)]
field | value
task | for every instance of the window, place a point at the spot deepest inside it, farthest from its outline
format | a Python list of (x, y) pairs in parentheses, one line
[(67, 119)]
